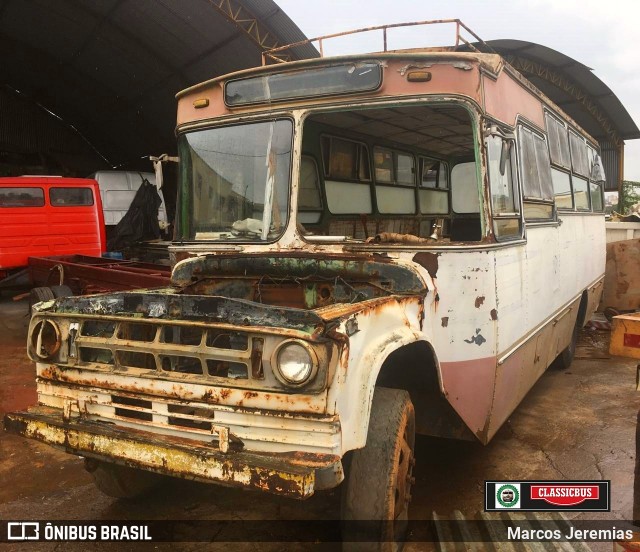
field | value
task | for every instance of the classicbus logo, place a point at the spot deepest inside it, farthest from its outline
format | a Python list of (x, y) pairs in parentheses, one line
[(544, 496), (565, 495)]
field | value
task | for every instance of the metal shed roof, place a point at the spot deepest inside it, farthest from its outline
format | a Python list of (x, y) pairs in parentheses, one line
[(111, 68)]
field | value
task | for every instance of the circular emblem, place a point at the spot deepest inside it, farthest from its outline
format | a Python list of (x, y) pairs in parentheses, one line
[(508, 496)]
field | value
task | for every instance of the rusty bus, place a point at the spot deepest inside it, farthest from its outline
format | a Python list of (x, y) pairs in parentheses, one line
[(367, 247)]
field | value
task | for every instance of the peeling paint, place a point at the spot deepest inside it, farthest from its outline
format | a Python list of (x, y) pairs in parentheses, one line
[(478, 339), (429, 261)]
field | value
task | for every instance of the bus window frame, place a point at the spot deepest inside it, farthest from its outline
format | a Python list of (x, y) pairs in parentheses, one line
[(43, 196), (394, 184), (323, 201), (475, 115), (548, 114), (516, 190), (326, 173), (444, 163), (522, 123)]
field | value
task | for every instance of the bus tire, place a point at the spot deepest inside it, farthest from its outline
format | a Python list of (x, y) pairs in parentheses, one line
[(39, 294), (121, 481), (565, 358), (61, 291), (377, 489)]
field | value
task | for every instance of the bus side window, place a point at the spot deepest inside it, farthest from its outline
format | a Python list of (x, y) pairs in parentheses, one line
[(505, 201), (537, 180), (309, 198), (465, 225)]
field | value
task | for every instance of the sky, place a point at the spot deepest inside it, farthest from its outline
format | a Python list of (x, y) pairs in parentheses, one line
[(601, 35)]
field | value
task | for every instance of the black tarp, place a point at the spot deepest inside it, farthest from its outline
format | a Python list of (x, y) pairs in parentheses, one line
[(140, 223)]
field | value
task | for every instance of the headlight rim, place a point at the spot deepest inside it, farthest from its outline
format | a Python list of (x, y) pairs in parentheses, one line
[(275, 364), (33, 338)]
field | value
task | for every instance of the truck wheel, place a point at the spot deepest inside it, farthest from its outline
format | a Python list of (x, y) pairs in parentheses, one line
[(121, 481), (565, 358), (61, 291), (38, 294), (377, 490)]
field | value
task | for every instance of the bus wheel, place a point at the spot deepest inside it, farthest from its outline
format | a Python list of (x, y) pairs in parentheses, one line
[(377, 490), (39, 294), (61, 291), (121, 481), (565, 358)]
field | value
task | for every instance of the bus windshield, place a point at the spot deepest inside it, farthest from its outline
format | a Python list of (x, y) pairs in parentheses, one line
[(234, 182)]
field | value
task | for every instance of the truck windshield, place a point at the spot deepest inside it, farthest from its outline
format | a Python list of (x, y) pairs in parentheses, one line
[(234, 182)]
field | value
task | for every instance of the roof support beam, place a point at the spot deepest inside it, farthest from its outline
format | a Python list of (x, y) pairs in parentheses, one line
[(247, 22)]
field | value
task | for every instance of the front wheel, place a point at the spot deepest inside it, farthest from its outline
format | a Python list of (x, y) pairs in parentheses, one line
[(377, 490), (121, 481)]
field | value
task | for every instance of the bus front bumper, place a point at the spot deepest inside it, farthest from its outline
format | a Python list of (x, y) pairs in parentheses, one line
[(290, 474)]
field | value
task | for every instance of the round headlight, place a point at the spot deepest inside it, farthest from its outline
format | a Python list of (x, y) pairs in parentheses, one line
[(45, 339), (295, 363)]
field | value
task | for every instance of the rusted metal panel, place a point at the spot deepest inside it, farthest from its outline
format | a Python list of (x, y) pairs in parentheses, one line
[(257, 421), (91, 274), (166, 455), (170, 305)]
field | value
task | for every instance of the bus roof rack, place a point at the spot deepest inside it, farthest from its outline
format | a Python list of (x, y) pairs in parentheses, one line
[(277, 55)]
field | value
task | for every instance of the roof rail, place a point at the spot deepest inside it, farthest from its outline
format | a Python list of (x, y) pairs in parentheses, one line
[(277, 54)]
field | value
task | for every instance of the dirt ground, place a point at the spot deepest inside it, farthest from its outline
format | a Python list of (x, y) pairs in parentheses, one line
[(574, 424)]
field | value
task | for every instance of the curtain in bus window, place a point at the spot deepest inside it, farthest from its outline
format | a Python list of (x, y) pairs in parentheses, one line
[(597, 169), (309, 202), (579, 155), (530, 178), (596, 196), (544, 169), (536, 169), (501, 184), (558, 142)]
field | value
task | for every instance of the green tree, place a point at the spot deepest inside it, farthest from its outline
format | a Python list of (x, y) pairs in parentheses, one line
[(629, 197)]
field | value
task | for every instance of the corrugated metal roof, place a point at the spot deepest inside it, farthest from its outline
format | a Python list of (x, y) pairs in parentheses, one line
[(111, 68)]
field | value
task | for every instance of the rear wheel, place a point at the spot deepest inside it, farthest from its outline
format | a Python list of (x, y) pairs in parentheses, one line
[(121, 481), (565, 358), (377, 490), (39, 294), (61, 291)]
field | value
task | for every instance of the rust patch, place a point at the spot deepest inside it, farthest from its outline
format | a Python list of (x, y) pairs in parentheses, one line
[(250, 394), (428, 261), (494, 314), (479, 301), (445, 321), (224, 393)]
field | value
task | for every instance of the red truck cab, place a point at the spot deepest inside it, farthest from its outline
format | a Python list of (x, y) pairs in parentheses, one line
[(42, 216)]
